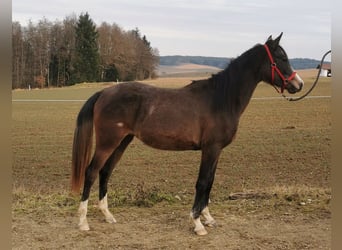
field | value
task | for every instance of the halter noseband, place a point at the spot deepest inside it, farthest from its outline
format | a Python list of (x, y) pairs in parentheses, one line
[(275, 68)]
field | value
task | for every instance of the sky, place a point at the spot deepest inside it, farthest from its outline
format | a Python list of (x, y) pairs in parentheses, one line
[(221, 28)]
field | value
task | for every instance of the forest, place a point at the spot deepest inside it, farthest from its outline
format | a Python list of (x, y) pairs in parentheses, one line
[(75, 50)]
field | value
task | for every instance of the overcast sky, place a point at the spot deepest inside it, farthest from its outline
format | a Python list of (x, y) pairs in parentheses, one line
[(223, 28)]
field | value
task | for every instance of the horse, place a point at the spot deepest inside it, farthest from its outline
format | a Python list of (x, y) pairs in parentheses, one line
[(203, 115)]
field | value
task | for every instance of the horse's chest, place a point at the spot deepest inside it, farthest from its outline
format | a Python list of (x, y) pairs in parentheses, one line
[(221, 133)]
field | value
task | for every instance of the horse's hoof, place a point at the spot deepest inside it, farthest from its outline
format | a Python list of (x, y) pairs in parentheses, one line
[(111, 220), (84, 227), (201, 232), (83, 224), (211, 223)]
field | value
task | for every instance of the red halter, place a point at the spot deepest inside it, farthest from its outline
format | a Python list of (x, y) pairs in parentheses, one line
[(275, 68)]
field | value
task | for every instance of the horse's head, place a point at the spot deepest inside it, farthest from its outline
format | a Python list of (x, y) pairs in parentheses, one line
[(278, 70)]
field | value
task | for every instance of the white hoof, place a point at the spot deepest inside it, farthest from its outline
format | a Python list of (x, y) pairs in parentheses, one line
[(201, 231), (83, 223), (210, 223), (111, 220), (83, 226), (103, 205), (209, 220), (199, 228)]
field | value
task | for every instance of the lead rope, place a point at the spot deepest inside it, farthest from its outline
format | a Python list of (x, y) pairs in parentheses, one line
[(313, 85)]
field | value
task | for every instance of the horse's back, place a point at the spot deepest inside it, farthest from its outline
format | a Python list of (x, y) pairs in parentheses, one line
[(120, 103), (162, 118)]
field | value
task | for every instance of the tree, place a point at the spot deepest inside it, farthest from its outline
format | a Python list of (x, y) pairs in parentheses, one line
[(109, 42), (86, 65), (17, 55), (144, 59), (62, 51), (57, 60), (75, 50), (125, 55)]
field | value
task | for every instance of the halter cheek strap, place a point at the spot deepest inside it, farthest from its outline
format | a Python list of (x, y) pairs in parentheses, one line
[(274, 68)]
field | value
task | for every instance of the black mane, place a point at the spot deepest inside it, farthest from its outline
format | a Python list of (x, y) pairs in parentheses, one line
[(227, 83)]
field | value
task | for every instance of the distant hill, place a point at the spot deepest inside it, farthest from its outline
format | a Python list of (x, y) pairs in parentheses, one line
[(222, 62), (304, 63), (187, 70), (218, 62)]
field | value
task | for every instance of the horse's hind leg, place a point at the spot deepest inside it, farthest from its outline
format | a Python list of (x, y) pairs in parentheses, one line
[(104, 150), (105, 173), (99, 159)]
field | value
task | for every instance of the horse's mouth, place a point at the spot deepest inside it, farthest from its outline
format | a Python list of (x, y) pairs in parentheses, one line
[(294, 89)]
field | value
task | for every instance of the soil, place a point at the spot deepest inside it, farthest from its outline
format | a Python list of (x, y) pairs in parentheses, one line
[(167, 226)]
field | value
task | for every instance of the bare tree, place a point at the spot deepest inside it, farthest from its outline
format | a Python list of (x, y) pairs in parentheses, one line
[(45, 54), (17, 55)]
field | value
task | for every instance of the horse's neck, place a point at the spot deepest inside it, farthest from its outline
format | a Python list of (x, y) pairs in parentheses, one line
[(245, 93), (243, 78), (231, 89), (235, 92)]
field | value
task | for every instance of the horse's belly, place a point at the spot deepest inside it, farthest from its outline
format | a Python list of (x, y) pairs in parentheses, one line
[(171, 138), (165, 143), (169, 125)]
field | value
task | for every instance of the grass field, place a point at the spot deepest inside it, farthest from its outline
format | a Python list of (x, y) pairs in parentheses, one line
[(280, 161)]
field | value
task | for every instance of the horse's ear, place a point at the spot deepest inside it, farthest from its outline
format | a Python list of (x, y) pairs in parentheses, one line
[(276, 41), (273, 44)]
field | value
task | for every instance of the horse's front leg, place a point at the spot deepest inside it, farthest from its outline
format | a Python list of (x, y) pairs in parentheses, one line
[(203, 186), (209, 220)]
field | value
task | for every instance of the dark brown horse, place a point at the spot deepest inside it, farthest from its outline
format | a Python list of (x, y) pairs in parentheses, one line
[(203, 115)]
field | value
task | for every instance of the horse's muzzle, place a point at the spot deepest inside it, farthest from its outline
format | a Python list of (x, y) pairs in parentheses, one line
[(295, 85)]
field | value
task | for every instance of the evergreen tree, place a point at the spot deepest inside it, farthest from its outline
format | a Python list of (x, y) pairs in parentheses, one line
[(46, 54), (86, 64)]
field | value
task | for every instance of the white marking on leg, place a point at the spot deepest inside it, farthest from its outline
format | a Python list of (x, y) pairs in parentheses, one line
[(209, 220), (199, 228), (82, 210), (103, 205)]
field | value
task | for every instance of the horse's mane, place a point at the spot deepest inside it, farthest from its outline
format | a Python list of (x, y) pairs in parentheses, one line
[(227, 82)]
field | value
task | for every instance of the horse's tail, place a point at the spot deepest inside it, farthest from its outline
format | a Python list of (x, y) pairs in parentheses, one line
[(83, 140)]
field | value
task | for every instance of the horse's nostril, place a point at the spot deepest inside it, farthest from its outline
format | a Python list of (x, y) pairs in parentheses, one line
[(301, 85)]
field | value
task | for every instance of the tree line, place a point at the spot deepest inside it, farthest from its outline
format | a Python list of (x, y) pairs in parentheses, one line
[(74, 50)]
